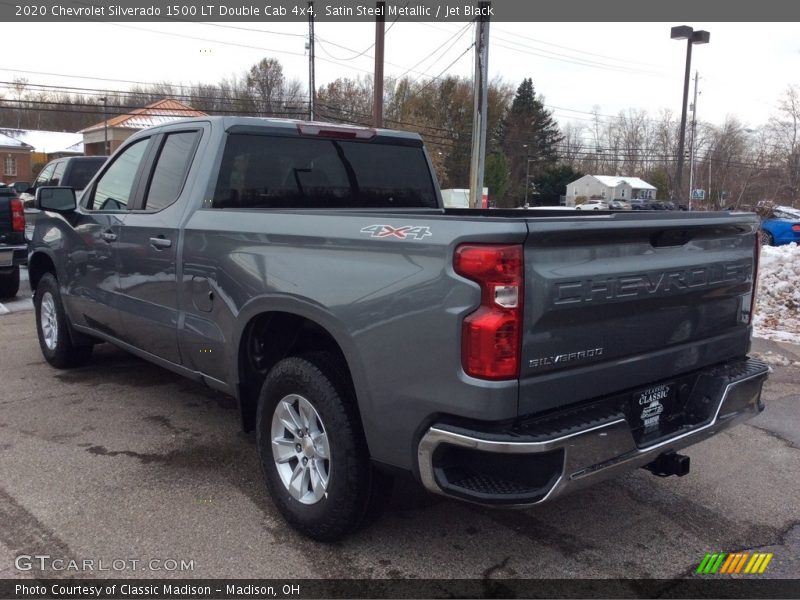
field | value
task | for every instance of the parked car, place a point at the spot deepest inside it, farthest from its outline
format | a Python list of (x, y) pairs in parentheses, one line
[(593, 204), (72, 171), (311, 271), (640, 204), (781, 226), (619, 205), (13, 251)]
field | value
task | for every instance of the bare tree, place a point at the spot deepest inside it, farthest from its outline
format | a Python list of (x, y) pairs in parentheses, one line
[(786, 131)]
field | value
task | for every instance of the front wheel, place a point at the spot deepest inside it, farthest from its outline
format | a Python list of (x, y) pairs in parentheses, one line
[(53, 328), (767, 239), (312, 449)]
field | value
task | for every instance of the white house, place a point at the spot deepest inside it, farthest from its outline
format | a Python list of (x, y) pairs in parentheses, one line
[(608, 187)]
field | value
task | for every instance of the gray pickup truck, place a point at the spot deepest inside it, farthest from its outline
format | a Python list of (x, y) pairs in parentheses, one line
[(501, 357)]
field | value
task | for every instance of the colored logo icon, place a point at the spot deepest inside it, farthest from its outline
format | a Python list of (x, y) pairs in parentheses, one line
[(720, 563)]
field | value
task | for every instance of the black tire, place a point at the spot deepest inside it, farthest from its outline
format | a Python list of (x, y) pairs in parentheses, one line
[(62, 352), (9, 283), (767, 239), (355, 491)]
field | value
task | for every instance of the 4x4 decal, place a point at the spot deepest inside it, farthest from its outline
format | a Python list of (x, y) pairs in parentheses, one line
[(404, 232)]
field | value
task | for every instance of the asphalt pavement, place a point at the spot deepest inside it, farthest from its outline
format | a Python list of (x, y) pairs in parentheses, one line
[(124, 461)]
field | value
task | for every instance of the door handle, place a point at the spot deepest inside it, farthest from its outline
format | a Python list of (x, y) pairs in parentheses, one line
[(108, 236), (160, 243)]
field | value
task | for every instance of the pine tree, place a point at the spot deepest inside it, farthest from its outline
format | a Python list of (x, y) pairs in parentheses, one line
[(529, 138)]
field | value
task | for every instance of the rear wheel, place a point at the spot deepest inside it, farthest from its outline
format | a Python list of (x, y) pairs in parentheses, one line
[(767, 239), (9, 283), (312, 449), (53, 327)]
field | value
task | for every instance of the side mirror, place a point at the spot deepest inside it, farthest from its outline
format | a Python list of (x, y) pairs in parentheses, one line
[(21, 187), (56, 199)]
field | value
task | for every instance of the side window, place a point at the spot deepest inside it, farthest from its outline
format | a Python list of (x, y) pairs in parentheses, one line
[(82, 171), (45, 175), (114, 188), (171, 169), (58, 173)]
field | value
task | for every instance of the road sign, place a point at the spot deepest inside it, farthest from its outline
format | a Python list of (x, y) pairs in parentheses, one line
[(698, 194)]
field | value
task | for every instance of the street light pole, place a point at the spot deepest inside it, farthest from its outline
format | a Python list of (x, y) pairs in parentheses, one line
[(527, 171), (694, 145), (684, 32)]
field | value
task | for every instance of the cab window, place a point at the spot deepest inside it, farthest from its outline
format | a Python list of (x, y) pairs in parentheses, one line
[(115, 187)]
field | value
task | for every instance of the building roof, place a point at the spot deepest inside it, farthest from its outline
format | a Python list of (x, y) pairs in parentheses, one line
[(157, 113), (47, 142), (6, 141), (634, 182)]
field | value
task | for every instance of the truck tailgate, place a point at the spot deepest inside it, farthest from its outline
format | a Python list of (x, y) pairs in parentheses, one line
[(619, 301)]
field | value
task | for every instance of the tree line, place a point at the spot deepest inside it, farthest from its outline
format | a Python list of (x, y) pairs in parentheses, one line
[(529, 156)]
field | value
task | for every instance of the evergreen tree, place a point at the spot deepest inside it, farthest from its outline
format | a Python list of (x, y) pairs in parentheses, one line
[(530, 138), (552, 183), (495, 177)]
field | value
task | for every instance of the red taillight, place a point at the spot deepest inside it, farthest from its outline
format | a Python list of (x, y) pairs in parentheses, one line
[(756, 259), (491, 336), (796, 227), (17, 215)]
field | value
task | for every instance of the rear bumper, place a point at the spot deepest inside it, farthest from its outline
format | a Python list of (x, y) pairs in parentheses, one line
[(18, 253), (519, 469)]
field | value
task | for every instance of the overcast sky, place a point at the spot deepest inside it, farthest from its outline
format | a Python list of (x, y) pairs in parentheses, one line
[(744, 70)]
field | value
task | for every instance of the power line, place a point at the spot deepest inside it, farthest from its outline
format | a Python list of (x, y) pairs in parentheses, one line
[(581, 62), (458, 33), (123, 94), (576, 50)]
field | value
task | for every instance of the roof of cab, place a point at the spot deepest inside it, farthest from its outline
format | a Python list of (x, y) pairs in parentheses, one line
[(268, 123)]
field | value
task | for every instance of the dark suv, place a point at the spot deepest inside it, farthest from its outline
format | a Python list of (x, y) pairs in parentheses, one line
[(73, 171)]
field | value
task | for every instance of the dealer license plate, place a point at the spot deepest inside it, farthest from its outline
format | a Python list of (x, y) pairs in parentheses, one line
[(654, 404)]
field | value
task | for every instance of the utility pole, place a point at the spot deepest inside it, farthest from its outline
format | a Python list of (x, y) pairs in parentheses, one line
[(480, 84), (104, 100), (380, 30), (692, 147), (311, 85)]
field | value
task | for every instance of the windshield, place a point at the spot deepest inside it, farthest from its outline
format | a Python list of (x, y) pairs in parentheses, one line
[(786, 212)]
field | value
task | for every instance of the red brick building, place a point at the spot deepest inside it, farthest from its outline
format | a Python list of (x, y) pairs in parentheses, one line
[(15, 160)]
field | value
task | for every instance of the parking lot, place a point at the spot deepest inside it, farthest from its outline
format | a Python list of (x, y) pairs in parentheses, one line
[(124, 460)]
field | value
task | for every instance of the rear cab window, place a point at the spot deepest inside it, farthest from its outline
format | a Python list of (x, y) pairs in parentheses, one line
[(174, 158), (271, 171)]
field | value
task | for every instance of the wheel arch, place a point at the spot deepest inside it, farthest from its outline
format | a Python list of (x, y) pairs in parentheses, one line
[(39, 263), (291, 330)]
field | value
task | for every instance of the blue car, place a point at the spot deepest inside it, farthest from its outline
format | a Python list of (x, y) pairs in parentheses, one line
[(781, 226)]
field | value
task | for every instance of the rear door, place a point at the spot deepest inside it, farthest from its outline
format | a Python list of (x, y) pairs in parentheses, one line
[(149, 248), (616, 302)]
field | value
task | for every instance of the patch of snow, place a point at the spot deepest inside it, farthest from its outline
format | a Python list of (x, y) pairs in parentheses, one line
[(777, 315)]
